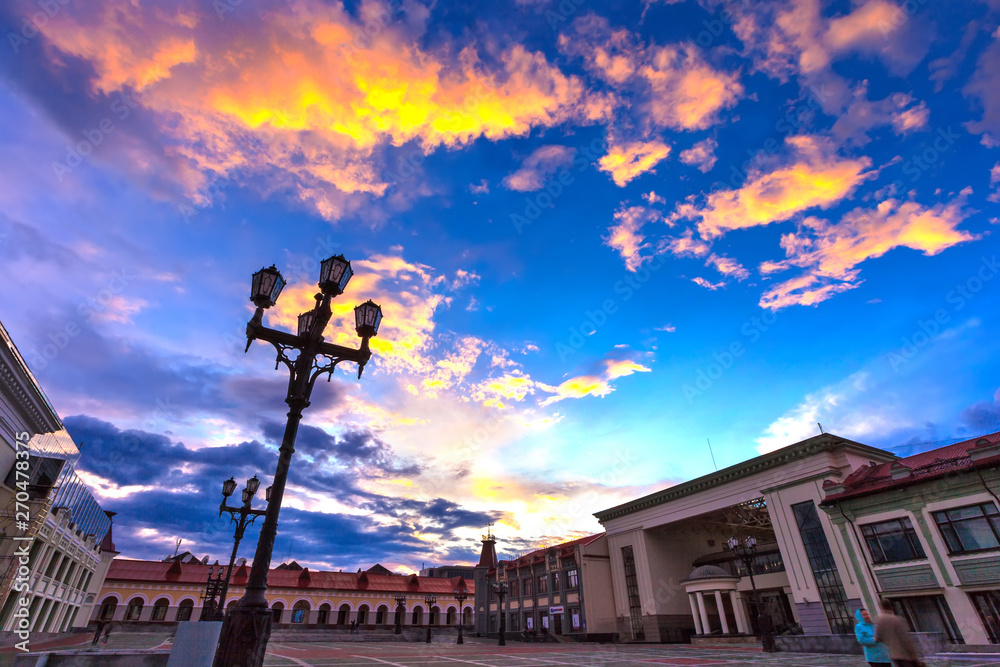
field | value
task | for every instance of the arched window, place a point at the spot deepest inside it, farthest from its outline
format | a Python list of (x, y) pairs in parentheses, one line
[(363, 615), (231, 604), (324, 614), (300, 611), (343, 613), (418, 616), (134, 609), (451, 616), (184, 610), (381, 615), (276, 610), (467, 616), (435, 612), (160, 609), (108, 608)]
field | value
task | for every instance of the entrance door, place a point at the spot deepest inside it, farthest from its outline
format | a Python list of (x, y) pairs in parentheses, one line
[(557, 619)]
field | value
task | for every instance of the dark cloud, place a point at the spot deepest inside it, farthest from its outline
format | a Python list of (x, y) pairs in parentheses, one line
[(187, 490), (360, 449), (983, 417)]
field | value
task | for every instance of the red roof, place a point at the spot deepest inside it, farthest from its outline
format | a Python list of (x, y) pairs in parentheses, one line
[(539, 555), (196, 573), (923, 467)]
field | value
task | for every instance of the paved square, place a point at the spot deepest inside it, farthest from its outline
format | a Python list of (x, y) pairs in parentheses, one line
[(486, 654)]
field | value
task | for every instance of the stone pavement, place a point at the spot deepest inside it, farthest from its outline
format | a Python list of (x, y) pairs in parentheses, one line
[(487, 654)]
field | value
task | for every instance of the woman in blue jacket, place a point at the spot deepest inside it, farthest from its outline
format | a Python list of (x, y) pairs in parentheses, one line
[(876, 653)]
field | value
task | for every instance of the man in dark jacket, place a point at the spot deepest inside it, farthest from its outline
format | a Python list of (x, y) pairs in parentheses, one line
[(891, 630)]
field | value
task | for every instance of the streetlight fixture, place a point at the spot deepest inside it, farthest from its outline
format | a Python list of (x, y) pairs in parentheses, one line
[(461, 596), (747, 551), (500, 590), (431, 600), (246, 516), (246, 630), (400, 611)]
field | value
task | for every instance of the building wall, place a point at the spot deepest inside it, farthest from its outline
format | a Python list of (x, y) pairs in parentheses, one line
[(597, 591), (937, 574)]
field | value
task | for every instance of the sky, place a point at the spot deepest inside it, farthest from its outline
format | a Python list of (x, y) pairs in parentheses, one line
[(617, 245)]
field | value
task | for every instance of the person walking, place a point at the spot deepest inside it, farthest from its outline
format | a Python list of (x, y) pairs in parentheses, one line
[(107, 633), (891, 630), (876, 653), (97, 632)]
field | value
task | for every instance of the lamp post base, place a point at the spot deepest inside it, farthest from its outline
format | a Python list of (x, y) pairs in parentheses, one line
[(243, 641), (766, 634)]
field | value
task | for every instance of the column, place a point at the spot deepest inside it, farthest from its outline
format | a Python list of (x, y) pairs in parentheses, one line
[(704, 614), (741, 624), (722, 612), (694, 614)]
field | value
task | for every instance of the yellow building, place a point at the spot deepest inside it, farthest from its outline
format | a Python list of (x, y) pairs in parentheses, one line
[(153, 592)]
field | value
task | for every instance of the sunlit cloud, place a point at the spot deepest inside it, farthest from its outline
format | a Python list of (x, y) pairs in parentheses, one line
[(598, 384), (626, 162), (701, 155), (538, 167), (708, 284), (625, 235)]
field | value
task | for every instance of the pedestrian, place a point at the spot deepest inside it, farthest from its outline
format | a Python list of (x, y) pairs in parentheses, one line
[(876, 653), (354, 626), (97, 633), (107, 633), (891, 630)]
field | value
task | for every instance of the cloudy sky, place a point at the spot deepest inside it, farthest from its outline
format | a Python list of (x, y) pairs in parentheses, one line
[(602, 233)]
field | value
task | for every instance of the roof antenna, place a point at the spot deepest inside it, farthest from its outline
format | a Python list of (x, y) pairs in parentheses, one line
[(821, 431), (713, 454), (178, 547)]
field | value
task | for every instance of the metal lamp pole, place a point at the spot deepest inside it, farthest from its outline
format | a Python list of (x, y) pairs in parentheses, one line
[(500, 589), (747, 553), (400, 610), (245, 630), (243, 512), (431, 600), (461, 596)]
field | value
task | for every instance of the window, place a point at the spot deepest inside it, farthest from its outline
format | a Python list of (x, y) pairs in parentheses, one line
[(526, 585), (824, 568), (574, 614), (929, 613), (324, 614), (363, 615), (515, 623), (987, 604), (572, 579), (276, 611), (299, 611), (543, 584), (110, 605), (160, 609), (970, 528), (632, 589), (892, 541), (184, 610), (512, 588), (380, 615), (134, 610)]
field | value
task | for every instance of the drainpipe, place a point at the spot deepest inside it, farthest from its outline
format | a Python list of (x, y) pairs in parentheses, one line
[(861, 552)]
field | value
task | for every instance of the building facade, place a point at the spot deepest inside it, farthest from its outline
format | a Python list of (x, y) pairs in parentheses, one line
[(165, 592), (45, 510), (838, 526), (924, 532), (563, 589)]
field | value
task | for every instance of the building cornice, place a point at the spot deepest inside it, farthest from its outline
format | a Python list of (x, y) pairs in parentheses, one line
[(27, 395), (819, 444)]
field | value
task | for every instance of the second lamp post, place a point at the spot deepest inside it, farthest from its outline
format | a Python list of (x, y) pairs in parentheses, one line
[(242, 516), (747, 551)]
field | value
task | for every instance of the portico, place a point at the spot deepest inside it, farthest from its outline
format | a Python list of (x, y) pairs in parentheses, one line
[(710, 585)]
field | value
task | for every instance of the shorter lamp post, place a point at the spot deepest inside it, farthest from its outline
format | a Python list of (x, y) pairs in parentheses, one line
[(500, 590), (242, 516), (461, 596), (431, 600), (747, 551), (212, 588), (400, 610)]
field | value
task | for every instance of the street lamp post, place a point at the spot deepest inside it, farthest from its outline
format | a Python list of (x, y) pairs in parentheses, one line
[(400, 610), (246, 629), (244, 512), (212, 588), (431, 600), (461, 595), (747, 552), (500, 590)]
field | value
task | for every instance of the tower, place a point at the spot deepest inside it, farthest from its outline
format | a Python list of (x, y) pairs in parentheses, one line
[(487, 562)]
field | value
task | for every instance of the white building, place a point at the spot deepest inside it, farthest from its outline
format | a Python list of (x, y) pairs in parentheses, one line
[(45, 509)]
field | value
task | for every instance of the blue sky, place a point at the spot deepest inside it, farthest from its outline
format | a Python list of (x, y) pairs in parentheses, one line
[(600, 237)]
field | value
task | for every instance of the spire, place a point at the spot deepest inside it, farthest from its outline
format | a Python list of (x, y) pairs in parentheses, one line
[(488, 557)]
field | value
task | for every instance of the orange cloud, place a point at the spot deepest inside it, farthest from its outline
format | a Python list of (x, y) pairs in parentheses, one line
[(625, 162), (817, 179), (831, 253), (318, 106), (701, 155), (593, 385), (727, 266)]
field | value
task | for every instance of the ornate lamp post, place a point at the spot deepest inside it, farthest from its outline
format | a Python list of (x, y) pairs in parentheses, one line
[(243, 512), (246, 629), (747, 553), (431, 600), (461, 595), (400, 610), (500, 590), (212, 588)]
